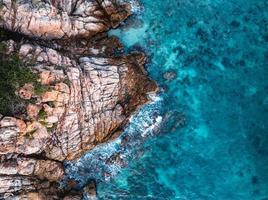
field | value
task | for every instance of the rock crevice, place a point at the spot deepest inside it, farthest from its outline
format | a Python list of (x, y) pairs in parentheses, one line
[(62, 19), (88, 91)]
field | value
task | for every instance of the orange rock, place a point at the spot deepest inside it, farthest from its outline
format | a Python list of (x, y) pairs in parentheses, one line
[(26, 92), (21, 125), (35, 196), (47, 78), (49, 170), (32, 110), (33, 126), (62, 87), (50, 96), (48, 109)]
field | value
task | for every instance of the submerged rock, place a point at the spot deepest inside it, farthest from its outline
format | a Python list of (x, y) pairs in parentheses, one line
[(170, 75), (84, 97), (90, 191)]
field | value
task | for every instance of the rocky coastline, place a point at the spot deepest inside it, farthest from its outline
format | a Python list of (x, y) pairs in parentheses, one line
[(87, 90)]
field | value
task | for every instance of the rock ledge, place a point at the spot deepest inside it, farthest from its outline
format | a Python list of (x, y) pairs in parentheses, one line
[(89, 90)]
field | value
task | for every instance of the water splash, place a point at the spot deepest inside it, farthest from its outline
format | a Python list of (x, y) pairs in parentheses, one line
[(106, 160)]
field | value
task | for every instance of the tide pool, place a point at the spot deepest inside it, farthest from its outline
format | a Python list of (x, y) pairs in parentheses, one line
[(205, 136)]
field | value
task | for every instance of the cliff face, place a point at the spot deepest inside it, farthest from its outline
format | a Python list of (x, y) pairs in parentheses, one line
[(62, 18), (89, 91)]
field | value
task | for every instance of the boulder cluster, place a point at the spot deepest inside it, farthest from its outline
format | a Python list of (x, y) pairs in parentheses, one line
[(91, 90)]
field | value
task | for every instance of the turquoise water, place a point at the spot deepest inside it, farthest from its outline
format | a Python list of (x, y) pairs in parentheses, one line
[(204, 137)]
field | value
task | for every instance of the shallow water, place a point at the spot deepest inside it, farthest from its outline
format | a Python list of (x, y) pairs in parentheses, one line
[(205, 137)]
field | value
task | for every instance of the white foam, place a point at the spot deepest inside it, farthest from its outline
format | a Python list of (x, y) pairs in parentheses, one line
[(152, 127), (142, 124), (154, 97), (135, 6)]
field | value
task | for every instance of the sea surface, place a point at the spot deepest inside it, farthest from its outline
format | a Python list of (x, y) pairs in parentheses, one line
[(204, 136)]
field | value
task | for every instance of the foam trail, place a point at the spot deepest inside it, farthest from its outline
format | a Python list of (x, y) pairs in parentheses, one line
[(106, 160)]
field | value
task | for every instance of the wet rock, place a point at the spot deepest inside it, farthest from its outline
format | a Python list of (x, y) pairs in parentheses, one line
[(191, 22), (73, 197), (115, 158), (173, 120), (90, 192), (235, 24), (170, 75), (202, 35)]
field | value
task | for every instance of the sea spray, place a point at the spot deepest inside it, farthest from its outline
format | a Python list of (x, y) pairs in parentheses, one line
[(136, 6), (212, 141), (106, 160)]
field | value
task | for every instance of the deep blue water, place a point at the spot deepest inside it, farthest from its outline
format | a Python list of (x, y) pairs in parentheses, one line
[(205, 136)]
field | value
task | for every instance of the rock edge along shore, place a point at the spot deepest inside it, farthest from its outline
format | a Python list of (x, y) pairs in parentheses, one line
[(91, 90)]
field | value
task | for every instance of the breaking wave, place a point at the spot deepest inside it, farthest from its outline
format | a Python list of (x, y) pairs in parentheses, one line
[(106, 160)]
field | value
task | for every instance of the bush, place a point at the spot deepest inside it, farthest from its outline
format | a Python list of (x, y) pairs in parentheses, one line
[(13, 74)]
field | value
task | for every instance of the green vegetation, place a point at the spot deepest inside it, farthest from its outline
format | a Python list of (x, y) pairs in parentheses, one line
[(29, 135), (67, 82), (42, 114), (51, 129), (40, 89), (51, 104), (43, 123), (2, 47), (14, 73)]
